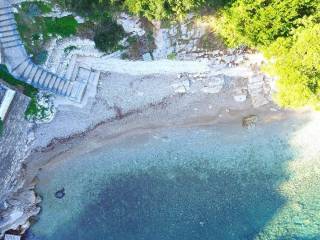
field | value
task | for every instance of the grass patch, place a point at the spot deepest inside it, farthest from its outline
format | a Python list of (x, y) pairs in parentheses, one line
[(33, 109), (64, 27), (36, 30), (172, 56), (27, 89), (1, 127)]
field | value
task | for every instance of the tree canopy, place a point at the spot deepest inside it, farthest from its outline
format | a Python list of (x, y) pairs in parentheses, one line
[(288, 33)]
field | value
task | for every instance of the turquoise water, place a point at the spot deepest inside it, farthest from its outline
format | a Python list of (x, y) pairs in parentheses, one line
[(200, 183)]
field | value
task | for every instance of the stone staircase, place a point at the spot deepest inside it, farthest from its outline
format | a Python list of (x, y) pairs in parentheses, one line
[(21, 66)]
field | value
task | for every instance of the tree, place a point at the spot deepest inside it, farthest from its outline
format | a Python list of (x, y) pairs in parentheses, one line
[(257, 23), (162, 9), (298, 68)]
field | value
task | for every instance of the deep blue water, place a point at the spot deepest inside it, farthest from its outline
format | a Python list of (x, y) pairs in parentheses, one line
[(186, 184)]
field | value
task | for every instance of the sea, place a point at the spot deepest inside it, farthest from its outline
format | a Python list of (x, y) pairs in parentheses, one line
[(221, 182)]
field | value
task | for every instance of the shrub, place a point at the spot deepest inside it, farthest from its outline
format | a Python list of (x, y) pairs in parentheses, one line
[(162, 9), (107, 36), (259, 23), (64, 27), (1, 127), (298, 67)]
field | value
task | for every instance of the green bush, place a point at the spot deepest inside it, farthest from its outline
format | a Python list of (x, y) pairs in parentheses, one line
[(298, 67), (1, 127), (27, 89), (162, 9), (107, 35), (64, 27)]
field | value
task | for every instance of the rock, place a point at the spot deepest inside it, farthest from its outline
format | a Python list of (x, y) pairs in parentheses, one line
[(249, 121), (240, 98), (60, 193), (211, 90), (180, 89)]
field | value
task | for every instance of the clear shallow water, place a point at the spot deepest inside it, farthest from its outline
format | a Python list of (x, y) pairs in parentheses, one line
[(217, 183)]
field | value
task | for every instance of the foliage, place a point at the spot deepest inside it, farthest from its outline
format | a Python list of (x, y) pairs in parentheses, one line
[(27, 89), (287, 32), (108, 35), (298, 68), (69, 49), (34, 110), (1, 127), (258, 23), (162, 9), (41, 57), (35, 8), (40, 109), (172, 56), (64, 27), (36, 30)]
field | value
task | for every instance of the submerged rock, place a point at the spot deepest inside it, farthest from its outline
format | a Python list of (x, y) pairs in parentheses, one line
[(60, 193), (249, 121)]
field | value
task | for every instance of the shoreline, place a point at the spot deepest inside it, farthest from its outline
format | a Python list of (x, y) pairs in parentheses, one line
[(103, 133)]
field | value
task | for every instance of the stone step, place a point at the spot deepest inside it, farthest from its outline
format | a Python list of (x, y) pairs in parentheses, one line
[(42, 77), (24, 69), (61, 86), (5, 9), (9, 23), (32, 74), (5, 6), (8, 30), (21, 66), (47, 80), (58, 82), (65, 88), (27, 71), (4, 13), (52, 82), (10, 39), (12, 44), (8, 34), (37, 75), (69, 89), (7, 18)]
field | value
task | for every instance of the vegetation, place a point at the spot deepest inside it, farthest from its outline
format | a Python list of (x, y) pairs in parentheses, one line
[(298, 67), (34, 108), (108, 34), (37, 30), (40, 109), (162, 9), (27, 89), (1, 127), (286, 31)]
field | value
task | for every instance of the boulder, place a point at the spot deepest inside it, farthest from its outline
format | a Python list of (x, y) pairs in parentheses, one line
[(60, 193), (249, 121)]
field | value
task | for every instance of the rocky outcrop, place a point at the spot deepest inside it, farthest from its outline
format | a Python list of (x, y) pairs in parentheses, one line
[(16, 206)]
